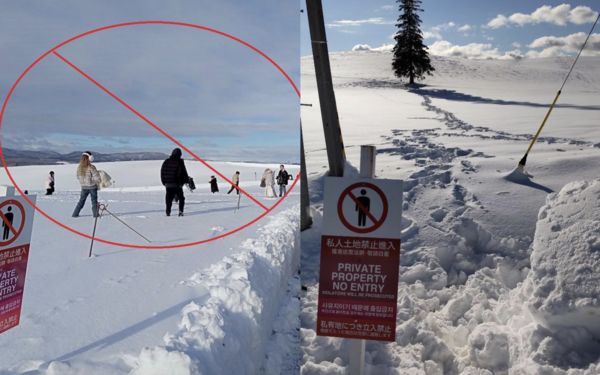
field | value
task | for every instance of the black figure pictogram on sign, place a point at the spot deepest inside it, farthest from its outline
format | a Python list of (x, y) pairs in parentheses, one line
[(369, 197), (13, 221), (365, 203), (7, 225)]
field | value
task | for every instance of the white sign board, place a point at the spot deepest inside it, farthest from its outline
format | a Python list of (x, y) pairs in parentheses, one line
[(16, 224), (360, 258)]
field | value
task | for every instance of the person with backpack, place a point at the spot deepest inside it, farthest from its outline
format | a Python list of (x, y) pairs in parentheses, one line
[(50, 183), (89, 178), (173, 176), (282, 180)]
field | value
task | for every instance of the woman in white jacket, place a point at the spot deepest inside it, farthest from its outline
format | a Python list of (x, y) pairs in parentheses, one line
[(89, 178), (268, 176)]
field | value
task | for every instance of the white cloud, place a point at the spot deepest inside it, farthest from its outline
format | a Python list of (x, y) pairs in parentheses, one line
[(435, 31), (516, 44), (355, 23), (386, 8), (362, 47), (498, 22), (547, 52), (432, 35), (558, 15), (554, 45), (444, 26), (470, 51), (368, 48), (465, 28)]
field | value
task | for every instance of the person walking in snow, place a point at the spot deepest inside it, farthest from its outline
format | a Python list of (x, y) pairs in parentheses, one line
[(268, 176), (236, 182), (214, 188), (282, 180), (173, 176), (50, 183), (89, 178)]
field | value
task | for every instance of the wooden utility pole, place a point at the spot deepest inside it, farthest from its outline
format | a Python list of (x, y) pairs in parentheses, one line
[(305, 218), (329, 115)]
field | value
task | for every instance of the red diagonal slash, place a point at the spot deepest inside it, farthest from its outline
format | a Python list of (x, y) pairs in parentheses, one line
[(8, 224), (157, 128), (363, 208)]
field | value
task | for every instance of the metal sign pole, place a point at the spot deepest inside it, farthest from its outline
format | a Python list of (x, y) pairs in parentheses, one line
[(356, 350)]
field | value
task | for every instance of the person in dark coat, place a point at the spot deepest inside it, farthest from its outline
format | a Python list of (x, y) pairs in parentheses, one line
[(214, 188), (282, 180), (50, 183), (173, 176)]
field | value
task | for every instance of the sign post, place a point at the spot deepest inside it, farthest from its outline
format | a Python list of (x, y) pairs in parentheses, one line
[(16, 217), (360, 259)]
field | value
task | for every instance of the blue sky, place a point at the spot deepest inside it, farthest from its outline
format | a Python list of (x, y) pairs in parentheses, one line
[(467, 28), (215, 95)]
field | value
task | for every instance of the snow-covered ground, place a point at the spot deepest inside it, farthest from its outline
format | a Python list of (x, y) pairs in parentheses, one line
[(178, 311), (469, 301)]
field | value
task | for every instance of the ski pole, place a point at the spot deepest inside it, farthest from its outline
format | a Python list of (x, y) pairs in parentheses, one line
[(93, 236), (523, 160), (104, 207), (238, 203)]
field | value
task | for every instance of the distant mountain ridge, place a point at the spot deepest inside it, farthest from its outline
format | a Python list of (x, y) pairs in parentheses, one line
[(25, 157)]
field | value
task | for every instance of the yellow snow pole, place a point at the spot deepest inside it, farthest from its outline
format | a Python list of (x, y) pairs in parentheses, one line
[(523, 160), (537, 134)]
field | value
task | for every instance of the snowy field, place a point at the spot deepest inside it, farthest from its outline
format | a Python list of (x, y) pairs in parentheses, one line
[(176, 311), (481, 290)]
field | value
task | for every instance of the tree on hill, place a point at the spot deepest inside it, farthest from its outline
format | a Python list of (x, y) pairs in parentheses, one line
[(411, 58)]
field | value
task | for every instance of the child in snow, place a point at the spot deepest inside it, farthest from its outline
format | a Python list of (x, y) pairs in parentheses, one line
[(282, 180), (173, 176), (89, 178), (50, 183), (236, 182)]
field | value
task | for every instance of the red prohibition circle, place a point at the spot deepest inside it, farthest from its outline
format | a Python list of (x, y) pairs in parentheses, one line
[(127, 24), (18, 231), (347, 192)]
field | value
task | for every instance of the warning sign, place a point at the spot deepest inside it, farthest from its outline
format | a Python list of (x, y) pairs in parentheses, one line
[(360, 259), (17, 220), (12, 214), (357, 213)]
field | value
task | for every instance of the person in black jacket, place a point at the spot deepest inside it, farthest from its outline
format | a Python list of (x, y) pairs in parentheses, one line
[(282, 180), (173, 176), (214, 187)]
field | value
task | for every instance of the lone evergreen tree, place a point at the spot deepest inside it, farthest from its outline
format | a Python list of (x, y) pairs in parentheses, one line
[(410, 54)]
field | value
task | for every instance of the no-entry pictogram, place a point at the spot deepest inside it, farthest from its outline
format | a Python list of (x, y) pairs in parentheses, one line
[(54, 53), (360, 258), (364, 197), (17, 222), (12, 214)]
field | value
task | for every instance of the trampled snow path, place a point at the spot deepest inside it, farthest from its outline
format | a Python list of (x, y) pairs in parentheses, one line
[(466, 232)]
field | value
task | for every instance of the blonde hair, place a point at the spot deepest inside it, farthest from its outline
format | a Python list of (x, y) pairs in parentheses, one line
[(84, 164)]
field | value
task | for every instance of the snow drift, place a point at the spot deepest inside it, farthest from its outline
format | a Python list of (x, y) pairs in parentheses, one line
[(565, 280), (230, 332)]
